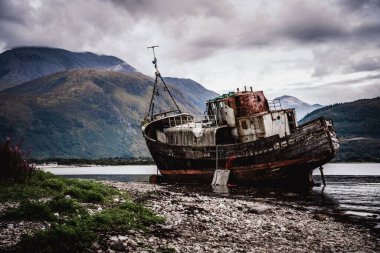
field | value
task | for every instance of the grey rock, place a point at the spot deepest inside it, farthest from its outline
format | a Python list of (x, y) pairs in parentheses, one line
[(321, 217), (118, 246), (259, 209), (95, 246)]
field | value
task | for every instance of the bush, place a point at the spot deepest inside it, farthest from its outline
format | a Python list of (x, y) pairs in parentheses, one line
[(13, 165), (66, 206), (125, 217), (35, 210), (77, 234), (29, 210), (59, 238), (54, 184), (89, 191)]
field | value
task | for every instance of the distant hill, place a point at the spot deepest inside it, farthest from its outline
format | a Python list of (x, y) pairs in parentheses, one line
[(194, 93), (88, 113), (302, 108), (24, 64), (357, 125)]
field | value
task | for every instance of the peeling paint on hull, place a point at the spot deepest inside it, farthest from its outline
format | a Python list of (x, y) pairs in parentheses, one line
[(273, 160)]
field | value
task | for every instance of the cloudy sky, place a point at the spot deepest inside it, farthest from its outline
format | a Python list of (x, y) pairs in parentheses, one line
[(320, 51)]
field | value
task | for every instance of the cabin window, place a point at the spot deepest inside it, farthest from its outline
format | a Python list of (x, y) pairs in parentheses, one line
[(258, 99), (213, 106), (221, 104), (244, 124)]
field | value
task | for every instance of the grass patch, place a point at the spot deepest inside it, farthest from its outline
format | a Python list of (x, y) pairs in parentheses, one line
[(73, 229), (43, 184), (59, 238), (122, 218), (29, 210), (45, 211), (77, 234)]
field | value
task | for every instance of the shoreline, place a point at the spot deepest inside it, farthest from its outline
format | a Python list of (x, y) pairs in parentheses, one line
[(201, 223)]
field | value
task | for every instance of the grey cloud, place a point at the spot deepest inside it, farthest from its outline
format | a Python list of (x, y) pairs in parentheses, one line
[(12, 11), (334, 37), (366, 64), (345, 82), (360, 5), (368, 31), (171, 9), (305, 22), (311, 32), (353, 81)]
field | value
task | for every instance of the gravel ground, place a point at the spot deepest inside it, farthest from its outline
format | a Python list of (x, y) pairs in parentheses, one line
[(199, 223)]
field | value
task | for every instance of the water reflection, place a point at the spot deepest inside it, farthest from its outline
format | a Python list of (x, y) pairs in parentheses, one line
[(221, 190)]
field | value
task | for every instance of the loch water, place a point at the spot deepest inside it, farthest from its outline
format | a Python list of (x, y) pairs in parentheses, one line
[(352, 189)]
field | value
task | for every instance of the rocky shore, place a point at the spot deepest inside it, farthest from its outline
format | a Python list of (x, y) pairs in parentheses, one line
[(201, 223)]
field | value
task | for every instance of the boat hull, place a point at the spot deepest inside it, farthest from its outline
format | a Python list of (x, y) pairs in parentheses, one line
[(271, 161)]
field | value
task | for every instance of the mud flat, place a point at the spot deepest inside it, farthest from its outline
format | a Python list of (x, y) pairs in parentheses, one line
[(200, 223)]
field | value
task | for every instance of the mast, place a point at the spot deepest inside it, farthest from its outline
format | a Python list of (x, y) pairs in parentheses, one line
[(155, 88)]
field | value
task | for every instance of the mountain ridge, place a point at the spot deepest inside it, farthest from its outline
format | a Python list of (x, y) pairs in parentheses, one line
[(85, 113), (302, 108), (22, 64)]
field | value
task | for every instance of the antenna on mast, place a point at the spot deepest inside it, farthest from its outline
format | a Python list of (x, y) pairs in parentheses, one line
[(155, 93), (154, 57)]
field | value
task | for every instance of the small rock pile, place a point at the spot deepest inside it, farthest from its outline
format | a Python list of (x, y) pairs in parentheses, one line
[(11, 231), (198, 223)]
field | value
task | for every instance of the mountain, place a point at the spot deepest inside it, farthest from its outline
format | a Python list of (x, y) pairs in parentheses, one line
[(23, 64), (357, 125), (302, 108), (88, 113), (195, 93)]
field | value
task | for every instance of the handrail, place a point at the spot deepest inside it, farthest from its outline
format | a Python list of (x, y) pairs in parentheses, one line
[(275, 104), (193, 121), (164, 114)]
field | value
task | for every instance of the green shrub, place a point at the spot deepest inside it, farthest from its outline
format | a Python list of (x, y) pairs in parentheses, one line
[(89, 191), (93, 197), (34, 210), (125, 217), (74, 229), (59, 238), (13, 165), (54, 184), (29, 210), (66, 206), (74, 192), (77, 234)]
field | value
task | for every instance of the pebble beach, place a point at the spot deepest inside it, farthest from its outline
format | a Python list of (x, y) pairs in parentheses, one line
[(200, 223), (197, 222)]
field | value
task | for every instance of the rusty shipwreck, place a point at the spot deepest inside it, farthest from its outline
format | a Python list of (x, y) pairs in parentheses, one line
[(254, 138)]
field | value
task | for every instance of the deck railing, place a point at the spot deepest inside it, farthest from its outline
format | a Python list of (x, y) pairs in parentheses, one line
[(196, 121), (275, 104)]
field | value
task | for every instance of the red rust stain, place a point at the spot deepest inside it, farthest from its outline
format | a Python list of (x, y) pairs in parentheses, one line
[(186, 172), (249, 103), (229, 161), (274, 165)]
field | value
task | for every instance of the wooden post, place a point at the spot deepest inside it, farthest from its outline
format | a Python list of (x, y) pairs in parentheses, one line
[(220, 176), (217, 157), (322, 176)]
